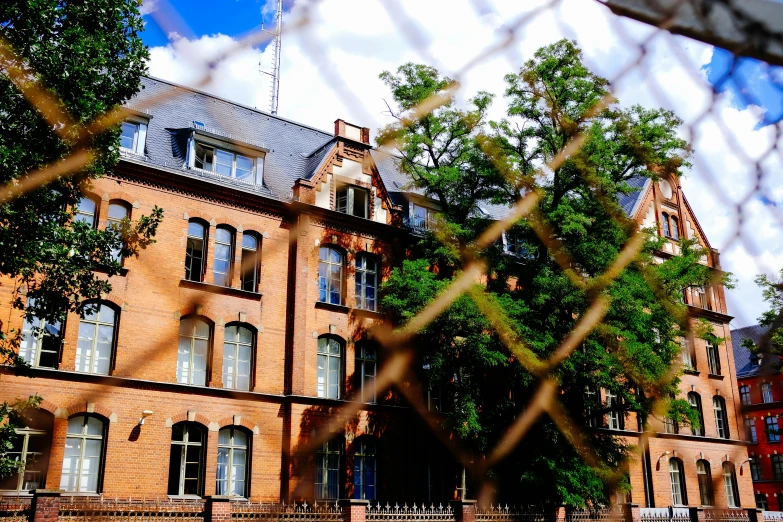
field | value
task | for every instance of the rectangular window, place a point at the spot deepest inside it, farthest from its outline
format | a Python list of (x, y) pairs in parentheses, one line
[(688, 361), (225, 163), (777, 466), (133, 134), (713, 359), (761, 502), (41, 341), (766, 392), (250, 263), (614, 417), (422, 218), (756, 472), (327, 470), (772, 429), (750, 430), (354, 201), (366, 367), (670, 425), (745, 394)]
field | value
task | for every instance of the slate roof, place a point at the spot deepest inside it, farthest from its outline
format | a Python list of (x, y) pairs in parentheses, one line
[(742, 356), (294, 150)]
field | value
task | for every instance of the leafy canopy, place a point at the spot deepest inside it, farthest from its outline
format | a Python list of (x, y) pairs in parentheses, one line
[(577, 230), (88, 56)]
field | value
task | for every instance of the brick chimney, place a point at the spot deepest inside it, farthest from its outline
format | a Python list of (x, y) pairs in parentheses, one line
[(343, 129)]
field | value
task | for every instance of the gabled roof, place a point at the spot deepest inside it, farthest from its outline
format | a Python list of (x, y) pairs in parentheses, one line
[(743, 356)]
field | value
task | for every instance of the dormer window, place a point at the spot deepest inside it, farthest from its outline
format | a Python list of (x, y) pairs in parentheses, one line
[(224, 162), (133, 134), (232, 160), (353, 200), (516, 246), (422, 217)]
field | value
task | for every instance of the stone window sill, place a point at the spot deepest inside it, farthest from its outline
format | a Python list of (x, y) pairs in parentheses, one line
[(332, 307), (216, 289)]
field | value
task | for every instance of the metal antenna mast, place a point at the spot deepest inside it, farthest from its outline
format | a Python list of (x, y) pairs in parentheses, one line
[(278, 42)]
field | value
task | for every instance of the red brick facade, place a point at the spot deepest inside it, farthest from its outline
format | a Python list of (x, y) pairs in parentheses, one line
[(282, 411)]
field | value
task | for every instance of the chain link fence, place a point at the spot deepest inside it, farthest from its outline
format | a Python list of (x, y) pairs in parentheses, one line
[(748, 29)]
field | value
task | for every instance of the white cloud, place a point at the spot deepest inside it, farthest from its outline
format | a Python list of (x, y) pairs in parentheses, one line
[(331, 71)]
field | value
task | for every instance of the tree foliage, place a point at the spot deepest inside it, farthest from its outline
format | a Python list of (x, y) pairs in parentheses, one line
[(772, 319), (88, 57), (463, 161)]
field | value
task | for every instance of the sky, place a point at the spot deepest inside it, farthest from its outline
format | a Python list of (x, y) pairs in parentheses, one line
[(334, 50)]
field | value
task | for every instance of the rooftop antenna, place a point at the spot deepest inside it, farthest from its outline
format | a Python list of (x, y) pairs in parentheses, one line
[(275, 74)]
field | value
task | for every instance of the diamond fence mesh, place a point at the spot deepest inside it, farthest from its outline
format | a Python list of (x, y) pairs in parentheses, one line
[(747, 29)]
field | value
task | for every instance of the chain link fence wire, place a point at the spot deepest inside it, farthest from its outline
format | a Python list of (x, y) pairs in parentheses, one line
[(747, 28)]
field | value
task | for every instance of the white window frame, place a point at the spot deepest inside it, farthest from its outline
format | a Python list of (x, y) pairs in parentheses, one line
[(37, 333), (766, 393), (427, 221), (322, 469), (184, 444), (233, 365), (92, 356), (139, 136), (324, 359), (676, 477), (83, 437), (366, 379), (230, 448), (257, 174), (350, 200), (25, 454)]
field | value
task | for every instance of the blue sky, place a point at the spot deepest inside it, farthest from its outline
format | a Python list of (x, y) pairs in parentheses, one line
[(752, 83), (208, 17)]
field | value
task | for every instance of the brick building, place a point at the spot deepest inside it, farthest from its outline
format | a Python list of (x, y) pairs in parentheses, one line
[(761, 398), (264, 276)]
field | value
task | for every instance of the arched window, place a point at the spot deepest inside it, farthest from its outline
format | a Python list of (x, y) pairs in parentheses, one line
[(756, 473), (118, 210), (364, 468), (30, 447), (366, 369), (41, 341), (329, 378), (665, 224), (192, 351), (677, 479), (675, 228), (195, 252), (83, 454), (705, 482), (232, 462), (330, 276), (730, 483), (96, 339), (695, 401), (328, 465), (186, 466), (237, 357), (250, 250), (224, 256), (366, 282), (744, 391), (86, 211), (721, 420)]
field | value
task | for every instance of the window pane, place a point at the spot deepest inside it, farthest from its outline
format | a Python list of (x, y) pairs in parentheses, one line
[(85, 211), (244, 168), (249, 242), (195, 230), (117, 212), (128, 135), (360, 202), (204, 157), (224, 162)]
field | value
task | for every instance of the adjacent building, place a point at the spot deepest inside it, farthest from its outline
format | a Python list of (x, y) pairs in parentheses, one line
[(761, 399), (227, 345)]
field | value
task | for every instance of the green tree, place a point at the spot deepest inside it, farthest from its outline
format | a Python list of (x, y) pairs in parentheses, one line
[(551, 101), (86, 55), (772, 319)]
